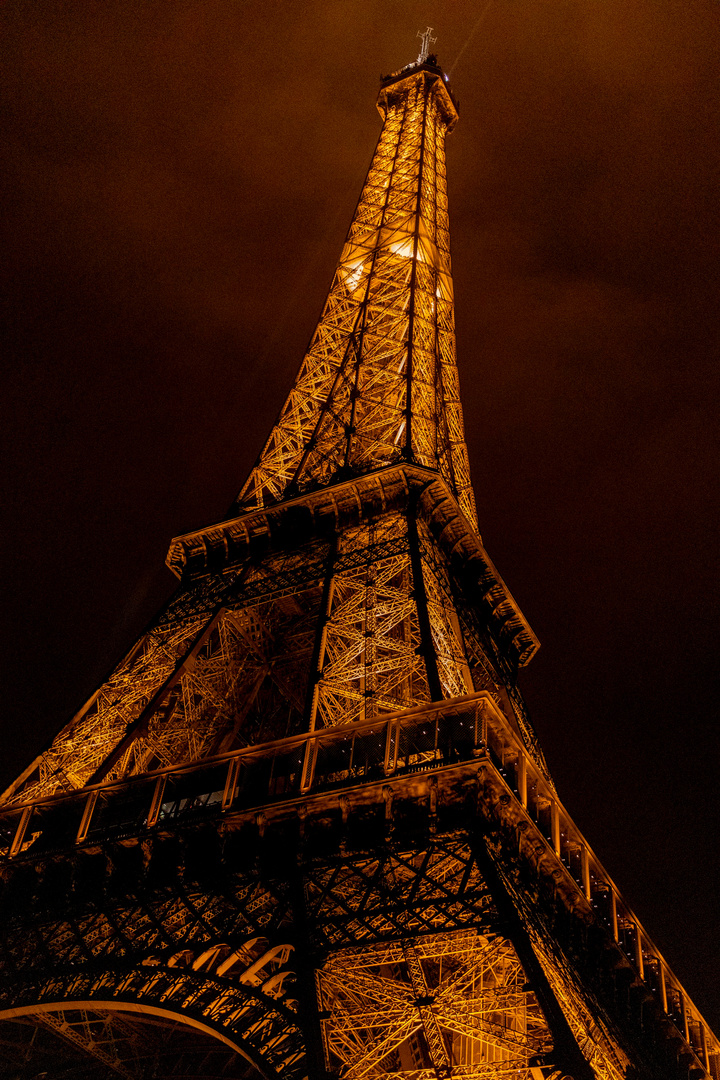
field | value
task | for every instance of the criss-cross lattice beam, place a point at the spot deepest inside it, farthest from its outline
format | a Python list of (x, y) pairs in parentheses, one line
[(464, 994), (379, 382), (96, 1035)]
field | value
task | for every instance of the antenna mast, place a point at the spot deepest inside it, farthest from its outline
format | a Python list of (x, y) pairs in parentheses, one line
[(427, 41)]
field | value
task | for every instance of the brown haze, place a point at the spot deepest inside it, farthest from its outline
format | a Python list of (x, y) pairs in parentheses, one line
[(177, 180)]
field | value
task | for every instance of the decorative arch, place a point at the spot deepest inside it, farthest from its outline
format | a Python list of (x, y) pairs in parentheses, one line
[(262, 1027)]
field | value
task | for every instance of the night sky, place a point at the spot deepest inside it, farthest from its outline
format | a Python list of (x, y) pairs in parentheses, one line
[(177, 180)]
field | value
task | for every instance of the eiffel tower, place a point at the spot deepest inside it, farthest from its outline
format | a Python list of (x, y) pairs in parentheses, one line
[(305, 828)]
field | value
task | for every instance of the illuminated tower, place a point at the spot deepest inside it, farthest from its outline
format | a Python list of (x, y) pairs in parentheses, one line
[(304, 828)]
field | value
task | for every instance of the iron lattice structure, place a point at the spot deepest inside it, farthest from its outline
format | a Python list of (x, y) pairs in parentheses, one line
[(379, 383), (305, 829)]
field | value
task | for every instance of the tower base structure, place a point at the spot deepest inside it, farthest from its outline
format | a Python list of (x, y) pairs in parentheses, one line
[(403, 896)]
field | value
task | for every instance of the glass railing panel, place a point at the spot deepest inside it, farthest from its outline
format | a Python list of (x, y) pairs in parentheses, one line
[(53, 826), (495, 749), (652, 974), (368, 753), (532, 801), (121, 811), (286, 772), (456, 737), (253, 782), (9, 823), (198, 793), (626, 938), (418, 745), (545, 818), (333, 761), (675, 1009), (603, 904), (265, 777), (575, 862)]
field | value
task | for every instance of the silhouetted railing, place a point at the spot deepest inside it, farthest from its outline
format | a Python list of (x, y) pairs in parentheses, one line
[(431, 737)]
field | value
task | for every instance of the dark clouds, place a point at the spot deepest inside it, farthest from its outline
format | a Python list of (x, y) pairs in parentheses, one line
[(177, 181)]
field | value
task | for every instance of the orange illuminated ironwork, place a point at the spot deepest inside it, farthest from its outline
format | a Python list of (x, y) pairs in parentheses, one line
[(306, 818)]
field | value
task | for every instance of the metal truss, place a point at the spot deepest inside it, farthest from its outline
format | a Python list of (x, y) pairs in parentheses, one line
[(588, 1027), (336, 628), (389, 632), (109, 1043), (224, 959), (379, 382), (320, 636), (82, 1044), (191, 688), (429, 949), (180, 958), (289, 861), (445, 1003)]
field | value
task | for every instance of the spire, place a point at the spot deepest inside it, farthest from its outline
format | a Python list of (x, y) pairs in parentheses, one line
[(379, 383), (427, 41)]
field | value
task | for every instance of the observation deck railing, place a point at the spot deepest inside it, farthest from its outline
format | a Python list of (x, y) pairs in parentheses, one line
[(438, 736)]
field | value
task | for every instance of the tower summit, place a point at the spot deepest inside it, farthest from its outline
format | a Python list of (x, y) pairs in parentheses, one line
[(379, 383), (305, 824)]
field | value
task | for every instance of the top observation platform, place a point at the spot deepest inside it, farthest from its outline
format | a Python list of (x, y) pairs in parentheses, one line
[(427, 67)]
